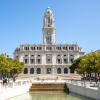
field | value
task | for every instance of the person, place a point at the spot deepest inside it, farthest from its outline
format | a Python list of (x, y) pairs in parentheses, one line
[(97, 78), (4, 82), (13, 79)]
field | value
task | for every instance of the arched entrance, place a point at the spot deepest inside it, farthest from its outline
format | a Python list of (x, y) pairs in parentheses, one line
[(38, 70), (58, 70), (32, 71), (65, 70), (25, 70)]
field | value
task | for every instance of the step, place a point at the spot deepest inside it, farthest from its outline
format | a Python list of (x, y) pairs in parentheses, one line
[(47, 87)]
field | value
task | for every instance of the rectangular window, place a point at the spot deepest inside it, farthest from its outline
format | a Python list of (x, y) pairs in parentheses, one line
[(64, 48), (32, 61), (71, 60), (26, 48), (32, 55), (48, 48), (48, 70), (38, 61), (49, 58), (71, 48), (58, 48), (59, 61), (32, 48), (26, 55), (26, 61), (65, 61), (39, 48)]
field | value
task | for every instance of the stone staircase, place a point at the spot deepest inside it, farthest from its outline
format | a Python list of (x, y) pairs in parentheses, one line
[(47, 87)]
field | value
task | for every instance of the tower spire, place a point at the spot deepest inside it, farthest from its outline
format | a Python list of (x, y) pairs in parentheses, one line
[(48, 27)]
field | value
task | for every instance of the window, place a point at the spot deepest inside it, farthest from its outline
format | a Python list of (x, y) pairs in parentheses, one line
[(48, 70), (32, 55), (38, 55), (32, 71), (39, 48), (64, 48), (65, 70), (71, 60), (26, 48), (48, 58), (38, 71), (59, 61), (32, 48), (49, 61), (48, 40), (71, 48), (25, 71), (38, 61), (48, 20), (58, 48), (26, 55), (58, 55), (65, 61), (59, 71), (32, 61), (71, 55), (49, 48), (26, 61)]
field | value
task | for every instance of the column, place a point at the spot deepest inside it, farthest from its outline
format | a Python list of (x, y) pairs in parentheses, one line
[(35, 58), (68, 70), (28, 71), (62, 70), (29, 58), (62, 58), (53, 70), (35, 68), (68, 58)]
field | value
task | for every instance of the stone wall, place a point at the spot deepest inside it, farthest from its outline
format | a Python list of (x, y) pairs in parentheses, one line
[(87, 92)]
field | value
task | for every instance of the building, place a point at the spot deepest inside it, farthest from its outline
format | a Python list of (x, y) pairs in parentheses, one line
[(49, 57)]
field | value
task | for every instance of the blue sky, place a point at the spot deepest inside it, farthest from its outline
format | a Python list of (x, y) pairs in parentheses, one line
[(76, 21)]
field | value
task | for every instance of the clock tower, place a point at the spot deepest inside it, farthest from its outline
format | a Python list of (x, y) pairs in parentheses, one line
[(48, 28)]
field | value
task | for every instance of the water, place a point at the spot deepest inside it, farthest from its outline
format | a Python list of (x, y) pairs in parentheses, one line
[(48, 96)]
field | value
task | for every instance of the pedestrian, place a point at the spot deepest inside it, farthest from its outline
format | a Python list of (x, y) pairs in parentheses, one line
[(13, 79), (4, 82)]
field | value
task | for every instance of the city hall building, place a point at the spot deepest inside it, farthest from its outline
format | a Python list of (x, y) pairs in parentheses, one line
[(47, 57)]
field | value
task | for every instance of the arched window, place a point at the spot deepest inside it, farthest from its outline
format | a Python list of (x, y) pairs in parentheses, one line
[(59, 71), (38, 71), (32, 71), (25, 71), (65, 70)]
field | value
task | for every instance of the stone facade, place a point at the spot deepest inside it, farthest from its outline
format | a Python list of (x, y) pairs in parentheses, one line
[(49, 57)]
